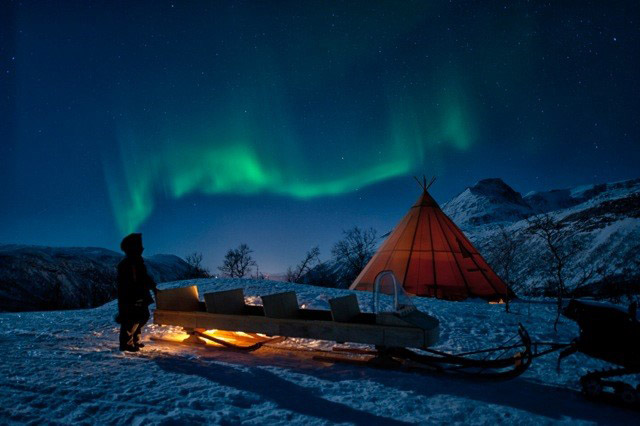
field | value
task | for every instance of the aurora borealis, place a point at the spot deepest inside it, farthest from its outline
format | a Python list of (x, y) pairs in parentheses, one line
[(249, 154), (269, 128), (205, 124)]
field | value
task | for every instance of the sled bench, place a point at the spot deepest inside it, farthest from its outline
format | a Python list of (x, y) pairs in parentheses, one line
[(281, 315)]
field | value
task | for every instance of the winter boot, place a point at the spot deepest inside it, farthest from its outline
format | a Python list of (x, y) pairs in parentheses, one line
[(129, 348)]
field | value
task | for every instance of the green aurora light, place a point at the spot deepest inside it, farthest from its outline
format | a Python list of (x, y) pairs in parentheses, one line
[(229, 160), (320, 115)]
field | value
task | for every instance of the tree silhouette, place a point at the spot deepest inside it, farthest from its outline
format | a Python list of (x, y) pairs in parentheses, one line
[(238, 262)]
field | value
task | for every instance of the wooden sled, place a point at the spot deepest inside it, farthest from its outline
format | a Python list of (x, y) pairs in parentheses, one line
[(280, 315), (395, 335)]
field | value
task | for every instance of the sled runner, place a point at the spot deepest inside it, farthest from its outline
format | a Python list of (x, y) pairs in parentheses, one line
[(244, 342), (401, 334), (493, 365)]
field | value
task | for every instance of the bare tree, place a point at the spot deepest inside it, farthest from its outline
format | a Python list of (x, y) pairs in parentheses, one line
[(323, 275), (585, 272), (562, 245), (312, 257), (503, 256), (354, 251), (238, 262), (196, 270)]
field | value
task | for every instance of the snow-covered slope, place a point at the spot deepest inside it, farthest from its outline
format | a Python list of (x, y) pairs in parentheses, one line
[(488, 201), (64, 367), (41, 278), (557, 199), (605, 218)]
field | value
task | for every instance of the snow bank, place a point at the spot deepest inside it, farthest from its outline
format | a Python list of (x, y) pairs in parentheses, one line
[(65, 367)]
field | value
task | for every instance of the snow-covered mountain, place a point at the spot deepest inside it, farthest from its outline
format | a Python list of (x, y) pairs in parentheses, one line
[(43, 278), (558, 199), (488, 201), (604, 218)]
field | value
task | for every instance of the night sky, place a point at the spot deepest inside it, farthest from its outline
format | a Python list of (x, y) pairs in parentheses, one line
[(207, 124)]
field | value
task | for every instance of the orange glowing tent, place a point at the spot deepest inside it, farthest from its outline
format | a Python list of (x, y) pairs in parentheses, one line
[(431, 257)]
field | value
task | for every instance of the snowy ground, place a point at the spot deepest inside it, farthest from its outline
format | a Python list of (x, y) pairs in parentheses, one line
[(65, 367)]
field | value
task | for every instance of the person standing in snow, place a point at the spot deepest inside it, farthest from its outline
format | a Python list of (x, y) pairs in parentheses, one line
[(134, 284)]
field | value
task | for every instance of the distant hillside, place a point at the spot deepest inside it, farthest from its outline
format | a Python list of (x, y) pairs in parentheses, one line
[(605, 217), (44, 278)]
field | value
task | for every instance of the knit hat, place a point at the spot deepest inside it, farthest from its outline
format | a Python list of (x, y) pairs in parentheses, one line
[(132, 244)]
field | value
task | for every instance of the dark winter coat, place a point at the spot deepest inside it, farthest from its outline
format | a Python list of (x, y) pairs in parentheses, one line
[(134, 284)]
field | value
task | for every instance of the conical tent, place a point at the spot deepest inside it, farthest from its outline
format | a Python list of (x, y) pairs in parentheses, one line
[(431, 256)]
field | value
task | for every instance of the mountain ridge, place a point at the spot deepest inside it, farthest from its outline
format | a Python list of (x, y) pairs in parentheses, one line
[(35, 277), (477, 204), (604, 220)]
